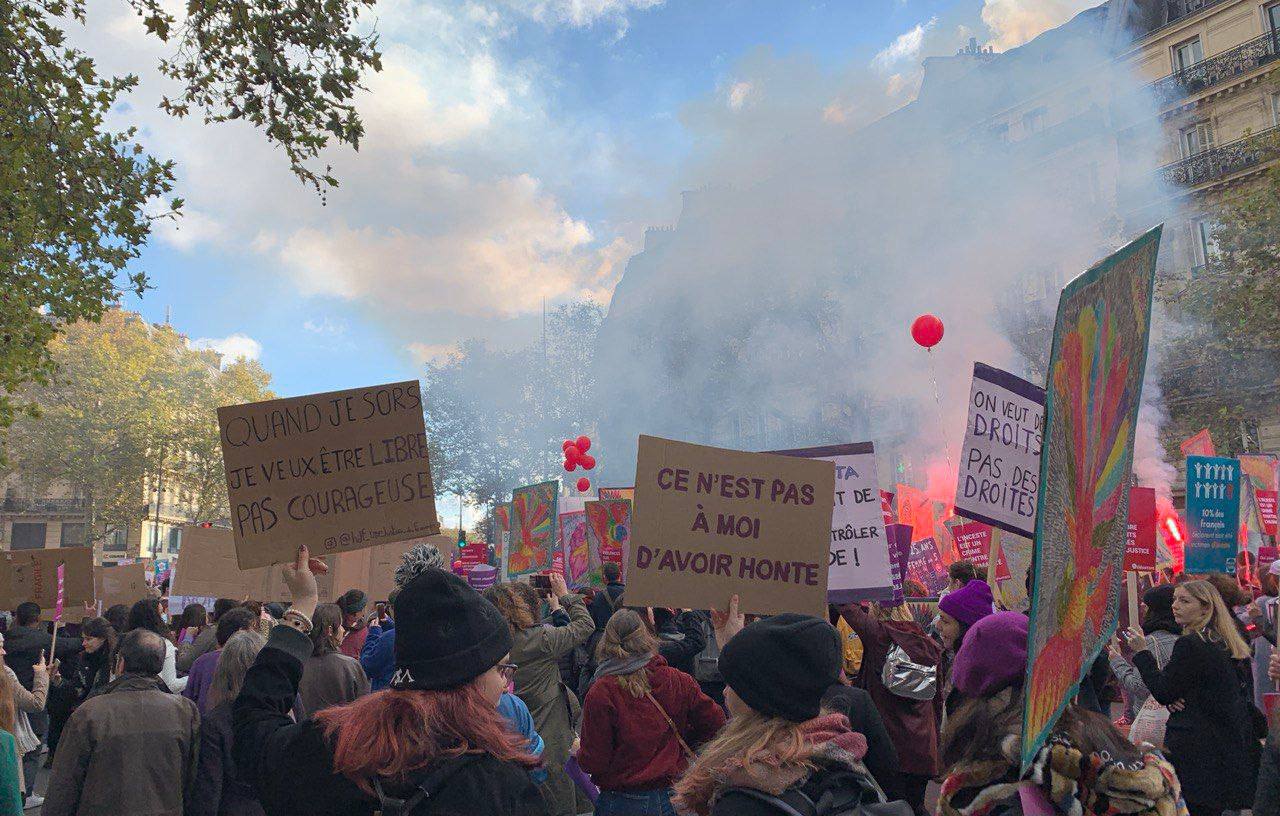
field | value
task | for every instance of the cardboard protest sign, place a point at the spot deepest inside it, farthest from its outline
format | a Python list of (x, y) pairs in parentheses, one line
[(858, 565), (1268, 501), (1016, 552), (126, 584), (974, 541), (1140, 542), (385, 558), (899, 538), (1000, 457), (1094, 387), (533, 529), (1260, 480), (344, 470), (608, 529), (709, 522), (1213, 514), (31, 575), (924, 564)]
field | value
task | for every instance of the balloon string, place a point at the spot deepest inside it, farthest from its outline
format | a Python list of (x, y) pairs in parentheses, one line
[(937, 401)]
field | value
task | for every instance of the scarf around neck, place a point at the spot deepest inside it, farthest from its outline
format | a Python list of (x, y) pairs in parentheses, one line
[(621, 665)]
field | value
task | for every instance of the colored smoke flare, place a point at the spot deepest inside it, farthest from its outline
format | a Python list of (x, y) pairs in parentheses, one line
[(1174, 539)]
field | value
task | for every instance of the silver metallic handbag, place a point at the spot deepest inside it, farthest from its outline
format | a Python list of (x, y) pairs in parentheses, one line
[(901, 676)]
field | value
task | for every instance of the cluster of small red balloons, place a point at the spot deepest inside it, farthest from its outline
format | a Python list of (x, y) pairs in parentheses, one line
[(575, 455)]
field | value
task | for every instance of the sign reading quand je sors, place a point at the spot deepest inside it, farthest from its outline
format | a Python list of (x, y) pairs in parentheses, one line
[(338, 471)]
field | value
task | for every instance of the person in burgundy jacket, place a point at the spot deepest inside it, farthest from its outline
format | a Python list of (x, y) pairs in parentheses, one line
[(639, 720)]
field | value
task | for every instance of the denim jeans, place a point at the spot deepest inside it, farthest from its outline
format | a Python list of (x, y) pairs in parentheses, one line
[(635, 803)]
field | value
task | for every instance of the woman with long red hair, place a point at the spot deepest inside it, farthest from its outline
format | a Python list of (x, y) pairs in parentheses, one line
[(433, 743)]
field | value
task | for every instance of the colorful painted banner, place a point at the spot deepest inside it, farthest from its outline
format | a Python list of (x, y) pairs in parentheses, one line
[(924, 564), (1015, 551), (606, 493), (608, 526), (573, 541), (1260, 473), (1140, 541), (899, 538), (1199, 445), (1213, 514), (533, 529), (1000, 456), (886, 507), (858, 568), (1094, 388)]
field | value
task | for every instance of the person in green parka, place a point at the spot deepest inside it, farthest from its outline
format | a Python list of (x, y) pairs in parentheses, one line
[(535, 650)]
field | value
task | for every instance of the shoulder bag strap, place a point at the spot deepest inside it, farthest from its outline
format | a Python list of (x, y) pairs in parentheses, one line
[(684, 745)]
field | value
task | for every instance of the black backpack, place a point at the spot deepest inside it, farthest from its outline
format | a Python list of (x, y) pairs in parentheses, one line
[(847, 793), (430, 785)]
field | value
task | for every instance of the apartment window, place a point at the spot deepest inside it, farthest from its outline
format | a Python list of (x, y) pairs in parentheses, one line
[(1275, 104), (1187, 54), (115, 541), (27, 535), (73, 535), (1197, 139), (1203, 245), (175, 539), (1273, 17)]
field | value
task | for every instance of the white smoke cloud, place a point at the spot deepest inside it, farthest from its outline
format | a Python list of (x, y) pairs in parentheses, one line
[(905, 48), (1014, 22)]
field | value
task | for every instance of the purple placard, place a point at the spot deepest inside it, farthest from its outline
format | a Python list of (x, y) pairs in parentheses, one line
[(899, 537), (924, 564)]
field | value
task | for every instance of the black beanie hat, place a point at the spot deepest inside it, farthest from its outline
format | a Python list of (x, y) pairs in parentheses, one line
[(781, 666), (353, 601), (446, 634)]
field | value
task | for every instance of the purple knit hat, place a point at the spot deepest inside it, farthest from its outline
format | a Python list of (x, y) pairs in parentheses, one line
[(993, 655), (968, 604)]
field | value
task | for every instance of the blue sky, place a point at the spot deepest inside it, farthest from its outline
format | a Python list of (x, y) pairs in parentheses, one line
[(515, 151)]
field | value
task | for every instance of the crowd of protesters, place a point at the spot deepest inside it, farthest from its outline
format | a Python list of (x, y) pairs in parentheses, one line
[(532, 698)]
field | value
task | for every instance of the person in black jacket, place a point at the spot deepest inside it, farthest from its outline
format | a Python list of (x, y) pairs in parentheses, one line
[(81, 675), (608, 600), (434, 741), (881, 759), (1211, 737), (680, 637)]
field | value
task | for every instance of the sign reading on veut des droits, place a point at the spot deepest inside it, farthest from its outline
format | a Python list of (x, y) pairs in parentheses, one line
[(708, 523), (1000, 460), (858, 566), (337, 471)]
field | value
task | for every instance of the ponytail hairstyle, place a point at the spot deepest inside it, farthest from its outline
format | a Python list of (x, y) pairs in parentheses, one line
[(326, 617), (625, 637), (1217, 625)]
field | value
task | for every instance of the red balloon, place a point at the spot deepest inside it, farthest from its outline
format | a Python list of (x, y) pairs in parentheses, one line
[(584, 484), (583, 443), (570, 465), (572, 454), (927, 330), (564, 445), (587, 461)]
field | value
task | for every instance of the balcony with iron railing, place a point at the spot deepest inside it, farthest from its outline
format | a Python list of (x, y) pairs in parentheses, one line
[(12, 504), (1216, 70), (1223, 160)]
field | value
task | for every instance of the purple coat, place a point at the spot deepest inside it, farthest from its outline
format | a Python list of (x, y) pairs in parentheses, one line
[(200, 679)]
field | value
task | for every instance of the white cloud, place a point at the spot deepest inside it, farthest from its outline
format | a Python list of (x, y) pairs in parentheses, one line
[(192, 228), (580, 13), (1014, 22), (232, 347), (325, 326), (905, 48), (423, 353), (739, 94)]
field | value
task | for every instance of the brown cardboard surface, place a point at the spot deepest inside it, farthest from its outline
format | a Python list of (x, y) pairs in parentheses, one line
[(125, 584), (207, 567), (31, 575), (383, 561), (686, 552), (340, 471)]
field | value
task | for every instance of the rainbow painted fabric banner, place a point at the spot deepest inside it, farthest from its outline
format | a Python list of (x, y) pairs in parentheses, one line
[(608, 536), (573, 541), (1094, 389), (533, 529)]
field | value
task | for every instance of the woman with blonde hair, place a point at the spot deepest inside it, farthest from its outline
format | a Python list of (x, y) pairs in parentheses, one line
[(640, 720), (778, 750), (536, 650), (1213, 730), (912, 722)]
